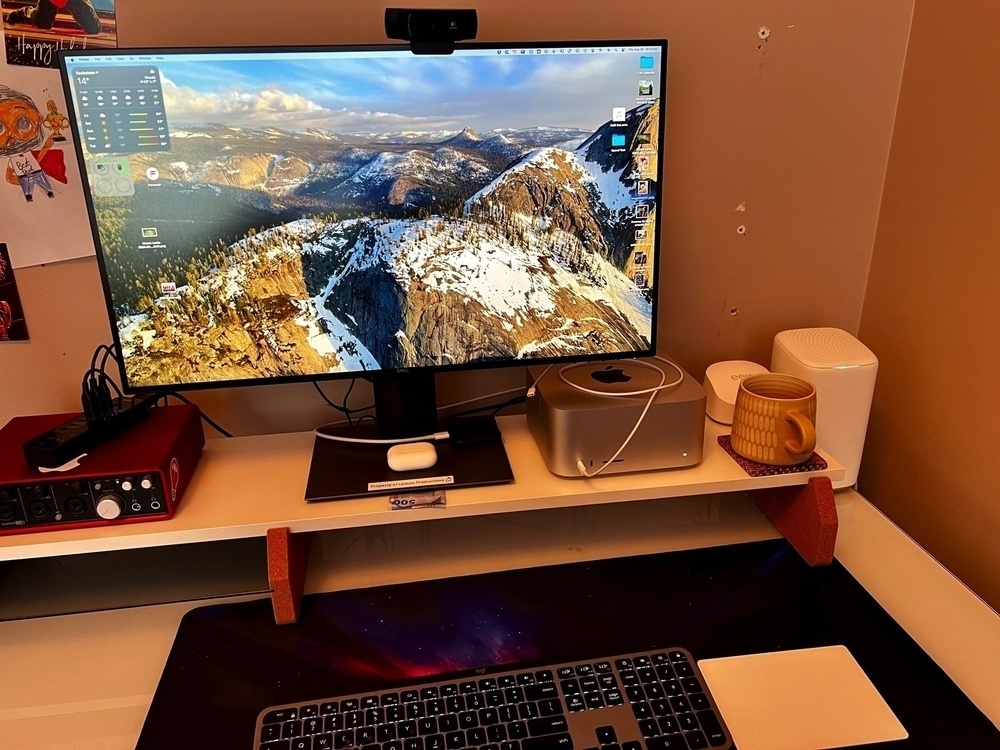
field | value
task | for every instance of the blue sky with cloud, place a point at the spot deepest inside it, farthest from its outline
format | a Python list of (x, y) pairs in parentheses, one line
[(388, 93)]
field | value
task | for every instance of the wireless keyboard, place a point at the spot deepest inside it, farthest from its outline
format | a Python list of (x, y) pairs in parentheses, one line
[(645, 701)]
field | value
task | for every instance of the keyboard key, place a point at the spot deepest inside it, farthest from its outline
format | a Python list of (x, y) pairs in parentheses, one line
[(548, 742), (270, 732), (670, 742), (541, 691), (496, 733), (517, 730), (712, 728), (551, 707), (668, 725), (528, 710), (281, 715), (476, 736), (547, 725), (614, 697), (684, 669), (475, 701), (606, 735), (427, 726), (696, 740), (593, 700), (385, 733), (699, 701), (688, 722)]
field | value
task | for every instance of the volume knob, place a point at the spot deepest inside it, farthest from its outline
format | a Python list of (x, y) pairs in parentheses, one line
[(109, 506)]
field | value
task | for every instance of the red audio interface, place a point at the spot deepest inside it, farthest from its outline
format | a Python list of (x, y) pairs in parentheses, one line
[(137, 476)]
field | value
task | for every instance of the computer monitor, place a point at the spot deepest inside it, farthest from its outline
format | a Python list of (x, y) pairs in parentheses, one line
[(274, 215)]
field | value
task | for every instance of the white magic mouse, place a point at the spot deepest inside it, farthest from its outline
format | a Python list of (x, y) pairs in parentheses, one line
[(411, 456)]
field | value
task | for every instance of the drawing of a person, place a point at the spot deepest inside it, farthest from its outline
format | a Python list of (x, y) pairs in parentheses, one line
[(43, 14), (55, 120), (23, 143)]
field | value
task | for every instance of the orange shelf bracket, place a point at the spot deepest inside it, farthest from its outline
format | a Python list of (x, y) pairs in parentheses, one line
[(287, 562), (806, 515)]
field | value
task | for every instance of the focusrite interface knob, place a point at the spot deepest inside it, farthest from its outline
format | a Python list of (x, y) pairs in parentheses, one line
[(109, 506)]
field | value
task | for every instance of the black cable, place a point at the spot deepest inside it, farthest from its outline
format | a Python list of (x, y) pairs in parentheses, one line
[(207, 419), (342, 407), (494, 409)]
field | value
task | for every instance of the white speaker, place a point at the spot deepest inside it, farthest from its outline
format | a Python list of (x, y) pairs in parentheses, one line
[(843, 371)]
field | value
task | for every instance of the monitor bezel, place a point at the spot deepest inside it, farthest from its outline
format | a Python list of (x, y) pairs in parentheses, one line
[(391, 374)]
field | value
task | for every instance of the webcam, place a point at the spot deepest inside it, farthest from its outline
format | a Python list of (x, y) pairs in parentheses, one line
[(431, 31)]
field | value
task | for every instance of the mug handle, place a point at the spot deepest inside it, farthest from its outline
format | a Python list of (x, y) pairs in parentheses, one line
[(807, 433)]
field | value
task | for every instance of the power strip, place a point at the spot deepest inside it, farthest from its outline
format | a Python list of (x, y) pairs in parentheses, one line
[(71, 439)]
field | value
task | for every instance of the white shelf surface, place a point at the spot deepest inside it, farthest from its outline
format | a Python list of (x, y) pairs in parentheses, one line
[(246, 485)]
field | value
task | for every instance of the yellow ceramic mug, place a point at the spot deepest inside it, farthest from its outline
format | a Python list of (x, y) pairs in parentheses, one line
[(774, 420)]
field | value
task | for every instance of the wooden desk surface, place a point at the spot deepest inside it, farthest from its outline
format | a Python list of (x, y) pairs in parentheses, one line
[(85, 681)]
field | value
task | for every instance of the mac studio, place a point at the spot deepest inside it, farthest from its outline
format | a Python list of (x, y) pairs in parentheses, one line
[(465, 571)]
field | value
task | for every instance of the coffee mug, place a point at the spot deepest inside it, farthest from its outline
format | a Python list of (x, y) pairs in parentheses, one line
[(774, 420)]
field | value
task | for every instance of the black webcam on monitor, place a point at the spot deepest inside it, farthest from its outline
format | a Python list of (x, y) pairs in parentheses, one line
[(431, 31)]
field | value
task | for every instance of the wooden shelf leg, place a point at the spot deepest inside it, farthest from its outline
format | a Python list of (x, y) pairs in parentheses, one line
[(806, 515), (287, 562)]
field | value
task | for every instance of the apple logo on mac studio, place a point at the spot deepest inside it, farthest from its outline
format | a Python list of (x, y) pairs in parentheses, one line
[(611, 375)]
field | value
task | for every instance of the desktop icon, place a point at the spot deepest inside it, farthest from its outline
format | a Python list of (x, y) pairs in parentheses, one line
[(646, 62), (618, 114), (617, 140), (645, 88)]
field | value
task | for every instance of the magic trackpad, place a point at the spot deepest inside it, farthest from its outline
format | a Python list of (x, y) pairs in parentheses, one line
[(796, 700)]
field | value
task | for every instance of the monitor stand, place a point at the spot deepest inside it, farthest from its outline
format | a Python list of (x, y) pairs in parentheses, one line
[(405, 407)]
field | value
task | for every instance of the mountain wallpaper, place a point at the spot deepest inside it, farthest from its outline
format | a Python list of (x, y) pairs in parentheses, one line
[(287, 246)]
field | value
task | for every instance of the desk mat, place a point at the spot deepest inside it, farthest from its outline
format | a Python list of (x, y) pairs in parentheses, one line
[(229, 661)]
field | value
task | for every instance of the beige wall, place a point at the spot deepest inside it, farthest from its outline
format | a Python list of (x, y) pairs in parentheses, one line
[(796, 128), (930, 461)]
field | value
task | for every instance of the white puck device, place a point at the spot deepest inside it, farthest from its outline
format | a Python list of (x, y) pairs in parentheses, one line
[(411, 456), (722, 382)]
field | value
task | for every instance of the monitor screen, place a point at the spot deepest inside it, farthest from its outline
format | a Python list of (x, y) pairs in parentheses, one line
[(277, 214)]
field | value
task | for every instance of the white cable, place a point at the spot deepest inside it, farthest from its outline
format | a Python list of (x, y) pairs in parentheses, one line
[(583, 469), (620, 394), (379, 441)]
